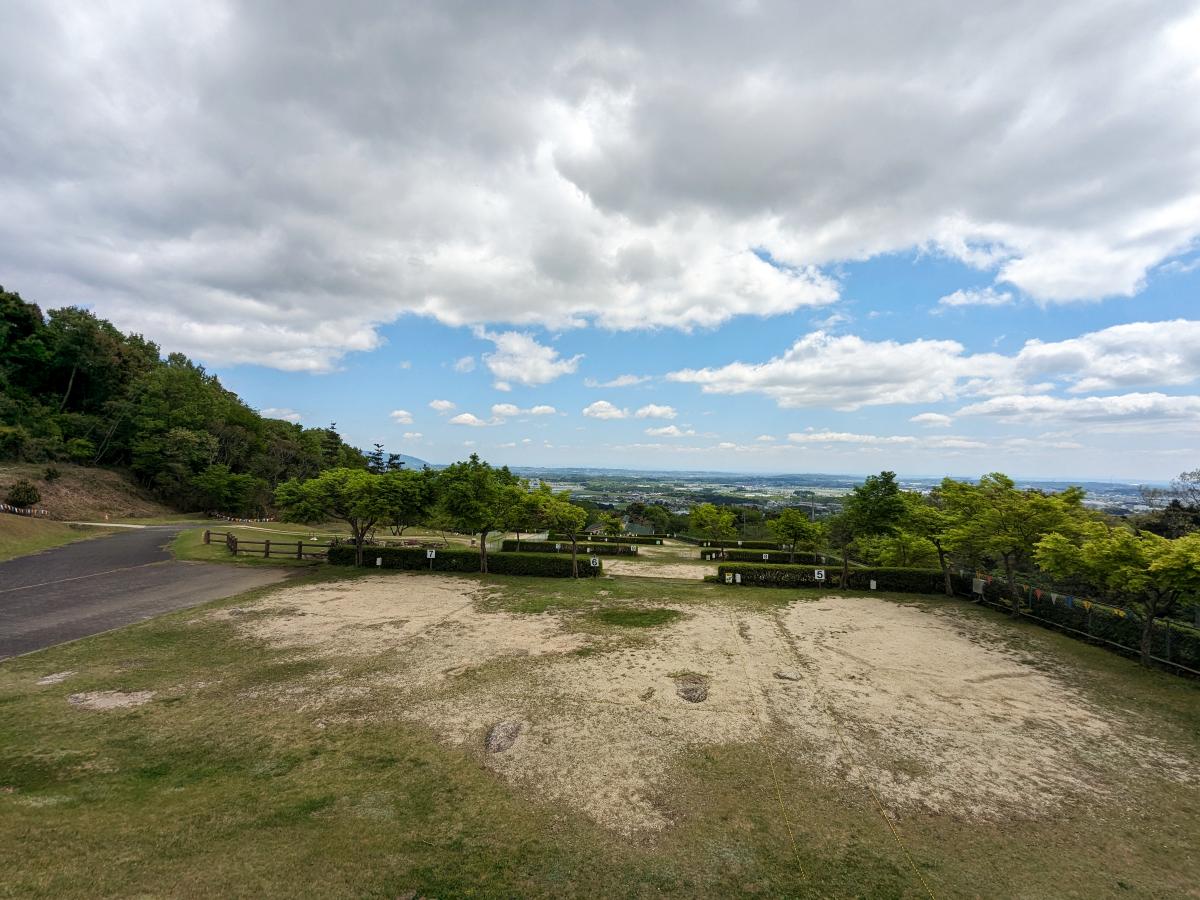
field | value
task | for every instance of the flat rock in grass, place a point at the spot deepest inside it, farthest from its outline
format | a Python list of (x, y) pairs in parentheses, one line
[(692, 688), (501, 736)]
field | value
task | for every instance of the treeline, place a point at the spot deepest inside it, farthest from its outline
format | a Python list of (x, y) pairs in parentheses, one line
[(1024, 537), (74, 388)]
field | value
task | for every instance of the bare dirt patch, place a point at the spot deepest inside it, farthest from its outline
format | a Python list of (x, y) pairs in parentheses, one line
[(922, 707), (655, 569), (103, 700), (55, 677)]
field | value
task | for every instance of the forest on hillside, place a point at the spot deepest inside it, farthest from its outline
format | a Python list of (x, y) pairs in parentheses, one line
[(74, 388)]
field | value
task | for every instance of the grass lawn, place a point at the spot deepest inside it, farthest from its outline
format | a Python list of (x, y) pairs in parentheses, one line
[(275, 759), (20, 536)]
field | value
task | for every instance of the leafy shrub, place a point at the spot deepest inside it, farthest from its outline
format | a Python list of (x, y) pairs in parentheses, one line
[(461, 560), (80, 450), (773, 556), (610, 538), (590, 548), (921, 581), (734, 544), (22, 494), (51, 474)]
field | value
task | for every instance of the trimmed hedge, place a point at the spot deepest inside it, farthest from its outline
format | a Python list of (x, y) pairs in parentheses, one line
[(611, 539), (455, 560), (772, 556), (589, 548), (734, 544), (921, 581)]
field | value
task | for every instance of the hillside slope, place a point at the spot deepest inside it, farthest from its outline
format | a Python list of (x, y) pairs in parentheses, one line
[(81, 492)]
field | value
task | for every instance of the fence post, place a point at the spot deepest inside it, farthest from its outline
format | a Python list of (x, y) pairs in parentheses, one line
[(207, 536), (299, 549), (267, 549), (231, 543)]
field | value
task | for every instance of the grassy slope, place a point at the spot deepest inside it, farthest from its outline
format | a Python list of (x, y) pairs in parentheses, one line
[(20, 536), (85, 493), (209, 791)]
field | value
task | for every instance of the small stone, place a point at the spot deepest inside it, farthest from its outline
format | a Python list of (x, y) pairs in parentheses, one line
[(646, 694), (787, 676), (692, 688), (501, 736)]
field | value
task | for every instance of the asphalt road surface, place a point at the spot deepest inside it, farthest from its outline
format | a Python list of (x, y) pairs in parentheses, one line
[(96, 585)]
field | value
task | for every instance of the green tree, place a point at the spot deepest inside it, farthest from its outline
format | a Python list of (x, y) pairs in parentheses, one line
[(926, 518), (354, 496), (412, 495), (474, 499), (714, 523), (23, 493), (996, 517), (1149, 573), (793, 528), (559, 514), (612, 525)]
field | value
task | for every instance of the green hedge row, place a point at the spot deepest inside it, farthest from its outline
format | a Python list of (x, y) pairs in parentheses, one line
[(589, 548), (734, 544), (772, 556), (611, 539), (922, 581), (462, 560)]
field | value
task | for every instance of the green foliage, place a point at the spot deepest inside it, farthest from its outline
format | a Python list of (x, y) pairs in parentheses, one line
[(72, 387), (475, 499), (23, 493), (593, 548), (737, 554), (714, 523), (52, 473), (354, 496), (921, 581), (626, 617), (540, 565), (612, 526), (608, 539), (795, 531)]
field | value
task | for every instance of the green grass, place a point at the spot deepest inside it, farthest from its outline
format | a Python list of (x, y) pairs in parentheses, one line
[(637, 618), (216, 789), (189, 545), (20, 536)]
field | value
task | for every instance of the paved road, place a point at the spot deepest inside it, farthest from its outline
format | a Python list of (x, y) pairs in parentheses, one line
[(92, 586)]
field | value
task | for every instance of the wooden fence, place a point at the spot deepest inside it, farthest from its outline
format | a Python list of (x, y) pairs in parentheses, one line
[(268, 548)]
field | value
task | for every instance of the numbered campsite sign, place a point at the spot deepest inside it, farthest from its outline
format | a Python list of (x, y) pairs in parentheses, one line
[(595, 562), (430, 554), (557, 548), (872, 584), (766, 556), (729, 578), (819, 574), (379, 560)]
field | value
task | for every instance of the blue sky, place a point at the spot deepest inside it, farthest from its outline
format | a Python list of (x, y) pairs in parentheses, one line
[(936, 239)]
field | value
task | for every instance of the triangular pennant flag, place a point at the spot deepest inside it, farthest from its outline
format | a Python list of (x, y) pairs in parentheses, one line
[(1038, 593)]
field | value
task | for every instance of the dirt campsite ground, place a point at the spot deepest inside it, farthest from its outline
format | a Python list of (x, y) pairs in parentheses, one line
[(421, 734)]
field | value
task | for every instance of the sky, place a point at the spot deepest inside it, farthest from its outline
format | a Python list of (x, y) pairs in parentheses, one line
[(748, 236)]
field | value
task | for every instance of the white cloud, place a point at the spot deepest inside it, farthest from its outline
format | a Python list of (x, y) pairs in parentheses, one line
[(472, 420), (413, 435), (987, 296), (506, 409), (602, 409), (441, 406), (842, 437), (543, 410), (597, 173), (765, 438), (1146, 410), (509, 410), (618, 382), (670, 431), (520, 359), (288, 415), (655, 411), (401, 416), (464, 364), (932, 420)]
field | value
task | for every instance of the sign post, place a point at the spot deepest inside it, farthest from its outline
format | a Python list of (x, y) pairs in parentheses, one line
[(819, 574), (430, 555)]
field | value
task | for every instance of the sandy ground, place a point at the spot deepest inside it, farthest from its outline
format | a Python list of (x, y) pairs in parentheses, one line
[(655, 569), (102, 700), (924, 708)]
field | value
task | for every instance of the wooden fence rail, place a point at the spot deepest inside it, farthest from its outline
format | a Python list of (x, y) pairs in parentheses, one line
[(268, 548)]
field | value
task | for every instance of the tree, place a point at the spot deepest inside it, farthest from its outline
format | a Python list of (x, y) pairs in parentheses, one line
[(354, 496), (473, 499), (23, 493), (658, 518), (612, 525), (793, 528), (714, 523), (927, 518), (376, 459), (874, 507), (411, 496), (996, 517), (561, 515), (1147, 572)]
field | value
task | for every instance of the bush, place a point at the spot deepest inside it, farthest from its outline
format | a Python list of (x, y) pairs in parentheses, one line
[(51, 473), (590, 548), (462, 560), (23, 494), (80, 450), (611, 539), (920, 581), (772, 556), (734, 544)]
